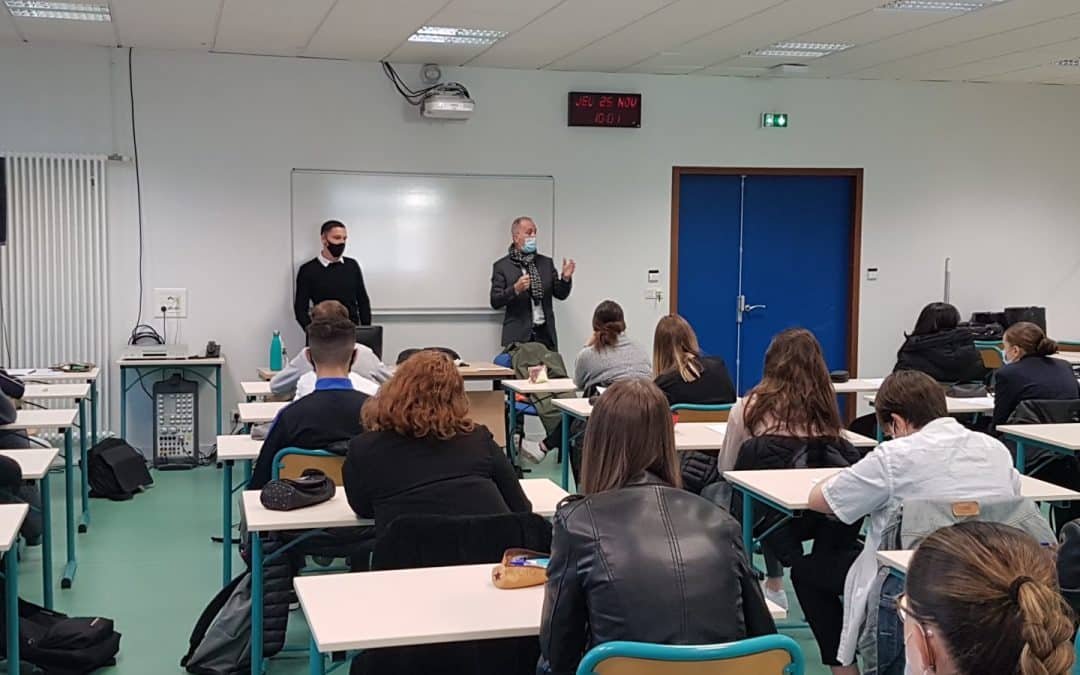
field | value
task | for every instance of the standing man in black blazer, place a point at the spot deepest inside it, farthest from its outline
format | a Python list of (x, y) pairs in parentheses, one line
[(332, 276), (524, 282)]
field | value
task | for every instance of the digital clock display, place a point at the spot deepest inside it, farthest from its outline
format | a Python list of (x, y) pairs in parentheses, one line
[(604, 110)]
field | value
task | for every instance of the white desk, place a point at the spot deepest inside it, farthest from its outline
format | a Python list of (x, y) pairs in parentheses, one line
[(482, 370), (1071, 357), (230, 450), (556, 386), (78, 392), (858, 385), (1063, 439), (61, 420), (418, 606), (258, 413), (543, 494), (897, 561), (255, 389), (962, 406), (147, 367), (11, 519), (35, 464), (51, 376)]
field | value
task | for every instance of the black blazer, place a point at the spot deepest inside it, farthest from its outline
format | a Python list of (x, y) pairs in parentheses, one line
[(1032, 377), (517, 322), (646, 562)]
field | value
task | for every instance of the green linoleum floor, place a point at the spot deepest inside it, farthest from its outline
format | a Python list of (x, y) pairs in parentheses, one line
[(149, 565)]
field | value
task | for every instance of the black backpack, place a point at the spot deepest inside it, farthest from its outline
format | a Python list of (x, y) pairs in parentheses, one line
[(116, 471), (61, 645)]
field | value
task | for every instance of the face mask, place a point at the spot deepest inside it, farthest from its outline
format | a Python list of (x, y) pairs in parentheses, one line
[(529, 246), (336, 249)]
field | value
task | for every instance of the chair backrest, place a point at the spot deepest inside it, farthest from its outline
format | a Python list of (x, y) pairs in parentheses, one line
[(291, 462), (765, 655), (437, 540), (693, 412), (992, 356), (370, 337)]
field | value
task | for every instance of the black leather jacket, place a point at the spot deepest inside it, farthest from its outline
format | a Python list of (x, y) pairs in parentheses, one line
[(646, 562)]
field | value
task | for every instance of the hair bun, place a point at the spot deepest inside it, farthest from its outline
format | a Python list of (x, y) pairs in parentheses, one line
[(1046, 347)]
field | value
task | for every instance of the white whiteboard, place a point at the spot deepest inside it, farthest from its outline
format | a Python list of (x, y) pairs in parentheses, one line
[(426, 243)]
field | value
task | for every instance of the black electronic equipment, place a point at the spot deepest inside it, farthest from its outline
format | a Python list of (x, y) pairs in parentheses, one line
[(176, 423)]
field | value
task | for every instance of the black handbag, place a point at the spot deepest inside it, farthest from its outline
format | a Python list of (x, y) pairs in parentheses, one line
[(311, 488)]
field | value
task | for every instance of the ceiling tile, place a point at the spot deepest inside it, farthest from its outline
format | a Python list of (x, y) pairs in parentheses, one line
[(1038, 35), (775, 24), (660, 31), (166, 25), (427, 52), (281, 27), (994, 19), (873, 25), (507, 15), (370, 29), (1007, 63), (8, 34), (45, 31), (568, 27), (1050, 74)]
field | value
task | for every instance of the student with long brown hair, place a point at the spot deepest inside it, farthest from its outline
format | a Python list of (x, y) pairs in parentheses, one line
[(983, 598), (420, 452), (791, 420), (637, 558), (680, 369)]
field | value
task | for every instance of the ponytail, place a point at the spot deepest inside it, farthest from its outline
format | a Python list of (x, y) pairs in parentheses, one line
[(1030, 339), (1046, 630), (992, 593)]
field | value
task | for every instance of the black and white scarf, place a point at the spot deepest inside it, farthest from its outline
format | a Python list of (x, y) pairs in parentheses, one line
[(528, 261)]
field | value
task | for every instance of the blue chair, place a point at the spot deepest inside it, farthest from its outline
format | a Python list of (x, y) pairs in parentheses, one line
[(520, 407), (695, 412), (765, 655)]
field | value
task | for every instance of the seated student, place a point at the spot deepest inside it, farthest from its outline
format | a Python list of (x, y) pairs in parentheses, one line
[(982, 598), (681, 372), (327, 416), (794, 416), (637, 558), (365, 363), (8, 413), (1030, 373), (939, 347), (608, 357), (421, 454), (306, 384), (931, 456)]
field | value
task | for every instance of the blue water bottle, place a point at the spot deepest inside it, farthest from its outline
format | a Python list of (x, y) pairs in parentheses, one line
[(275, 351)]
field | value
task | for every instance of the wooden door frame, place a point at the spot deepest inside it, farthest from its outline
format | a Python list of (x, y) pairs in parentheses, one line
[(855, 276)]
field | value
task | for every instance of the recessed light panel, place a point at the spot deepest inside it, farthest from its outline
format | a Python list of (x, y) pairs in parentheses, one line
[(952, 6), (804, 50), (457, 36), (48, 9)]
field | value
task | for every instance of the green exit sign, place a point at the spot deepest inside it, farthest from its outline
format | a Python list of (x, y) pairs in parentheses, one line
[(774, 120)]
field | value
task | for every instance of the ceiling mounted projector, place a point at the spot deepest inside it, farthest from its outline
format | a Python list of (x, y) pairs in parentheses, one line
[(447, 104)]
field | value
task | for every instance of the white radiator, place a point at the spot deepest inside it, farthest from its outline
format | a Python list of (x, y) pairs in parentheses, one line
[(54, 269)]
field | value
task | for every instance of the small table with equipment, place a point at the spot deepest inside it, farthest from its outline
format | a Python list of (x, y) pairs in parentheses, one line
[(144, 368)]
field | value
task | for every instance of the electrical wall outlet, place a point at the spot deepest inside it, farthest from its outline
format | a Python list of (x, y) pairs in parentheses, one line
[(174, 300)]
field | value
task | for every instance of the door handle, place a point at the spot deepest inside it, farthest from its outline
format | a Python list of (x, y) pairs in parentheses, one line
[(751, 308), (742, 309)]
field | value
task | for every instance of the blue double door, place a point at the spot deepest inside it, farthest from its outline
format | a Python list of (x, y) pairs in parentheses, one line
[(761, 253)]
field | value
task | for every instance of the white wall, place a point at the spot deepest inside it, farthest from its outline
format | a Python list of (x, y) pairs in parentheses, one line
[(982, 173)]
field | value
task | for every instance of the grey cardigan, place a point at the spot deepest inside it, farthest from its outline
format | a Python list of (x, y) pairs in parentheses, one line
[(622, 361)]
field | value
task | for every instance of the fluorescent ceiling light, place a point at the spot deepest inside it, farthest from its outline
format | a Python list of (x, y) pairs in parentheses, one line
[(457, 36), (939, 5), (1069, 63), (48, 9), (807, 50)]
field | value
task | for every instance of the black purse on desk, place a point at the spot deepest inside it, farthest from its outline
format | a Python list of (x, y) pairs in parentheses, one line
[(286, 494)]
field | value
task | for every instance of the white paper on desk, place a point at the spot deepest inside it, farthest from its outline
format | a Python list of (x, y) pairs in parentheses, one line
[(720, 428), (20, 372)]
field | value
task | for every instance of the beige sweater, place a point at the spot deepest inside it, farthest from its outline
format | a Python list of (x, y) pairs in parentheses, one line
[(737, 433)]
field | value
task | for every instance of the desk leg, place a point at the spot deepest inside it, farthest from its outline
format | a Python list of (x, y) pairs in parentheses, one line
[(316, 665), (69, 511), (748, 526), (123, 403), (11, 596), (565, 449), (247, 471), (84, 521), (256, 604), (511, 407), (226, 523), (217, 392), (1021, 460), (93, 413), (46, 541)]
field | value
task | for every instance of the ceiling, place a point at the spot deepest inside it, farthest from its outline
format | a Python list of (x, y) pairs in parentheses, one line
[(1012, 41)]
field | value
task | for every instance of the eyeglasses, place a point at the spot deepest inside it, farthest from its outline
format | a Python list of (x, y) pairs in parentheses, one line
[(903, 610)]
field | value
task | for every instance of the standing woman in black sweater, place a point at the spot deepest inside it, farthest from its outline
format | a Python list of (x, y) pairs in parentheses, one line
[(421, 454), (331, 276)]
